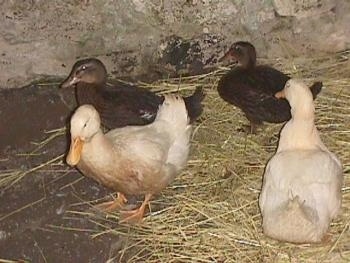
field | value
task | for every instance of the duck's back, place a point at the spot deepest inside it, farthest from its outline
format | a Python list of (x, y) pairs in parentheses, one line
[(313, 175), (120, 105), (272, 79), (141, 142), (253, 91), (301, 194), (136, 105), (123, 104)]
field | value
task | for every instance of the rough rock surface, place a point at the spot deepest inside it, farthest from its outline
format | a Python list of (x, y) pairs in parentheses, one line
[(153, 38)]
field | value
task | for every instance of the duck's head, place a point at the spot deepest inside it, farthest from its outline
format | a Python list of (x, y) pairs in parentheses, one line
[(242, 52), (84, 124), (297, 93), (90, 70)]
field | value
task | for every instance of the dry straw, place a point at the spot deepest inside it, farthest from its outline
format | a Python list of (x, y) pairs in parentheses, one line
[(210, 212)]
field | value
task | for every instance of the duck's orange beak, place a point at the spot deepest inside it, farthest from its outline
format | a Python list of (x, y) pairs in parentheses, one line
[(75, 150), (280, 95), (69, 82)]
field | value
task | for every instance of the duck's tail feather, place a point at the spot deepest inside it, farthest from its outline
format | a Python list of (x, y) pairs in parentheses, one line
[(316, 88), (194, 104), (293, 222), (174, 113)]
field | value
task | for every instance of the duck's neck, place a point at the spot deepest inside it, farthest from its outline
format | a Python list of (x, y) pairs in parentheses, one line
[(300, 132), (249, 63), (88, 93), (98, 151)]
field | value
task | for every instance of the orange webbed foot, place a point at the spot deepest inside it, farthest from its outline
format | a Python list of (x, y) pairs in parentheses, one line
[(135, 216), (113, 205)]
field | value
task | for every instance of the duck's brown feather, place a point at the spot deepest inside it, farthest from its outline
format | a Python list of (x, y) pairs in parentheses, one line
[(253, 90), (124, 105), (121, 104)]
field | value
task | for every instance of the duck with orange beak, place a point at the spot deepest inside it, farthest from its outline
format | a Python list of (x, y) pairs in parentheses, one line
[(133, 160), (301, 192)]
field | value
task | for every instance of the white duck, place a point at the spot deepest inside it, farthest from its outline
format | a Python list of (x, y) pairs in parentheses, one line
[(135, 159), (301, 190)]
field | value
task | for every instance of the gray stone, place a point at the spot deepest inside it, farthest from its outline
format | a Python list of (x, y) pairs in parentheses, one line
[(302, 8), (40, 38)]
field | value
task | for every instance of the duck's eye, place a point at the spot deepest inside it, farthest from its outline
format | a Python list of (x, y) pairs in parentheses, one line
[(237, 48), (86, 123), (83, 67)]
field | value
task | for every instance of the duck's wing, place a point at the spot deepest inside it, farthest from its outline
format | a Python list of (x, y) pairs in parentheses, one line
[(120, 105), (128, 105), (259, 105), (274, 110), (275, 80), (141, 143), (266, 185), (264, 103), (254, 93), (271, 80)]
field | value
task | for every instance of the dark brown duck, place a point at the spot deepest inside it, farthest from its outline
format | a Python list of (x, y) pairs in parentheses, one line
[(252, 87), (122, 104)]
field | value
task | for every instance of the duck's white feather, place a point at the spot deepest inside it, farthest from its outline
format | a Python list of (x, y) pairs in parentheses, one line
[(301, 190), (165, 141), (135, 159)]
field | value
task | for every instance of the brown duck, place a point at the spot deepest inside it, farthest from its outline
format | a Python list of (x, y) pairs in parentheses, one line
[(122, 104), (252, 87)]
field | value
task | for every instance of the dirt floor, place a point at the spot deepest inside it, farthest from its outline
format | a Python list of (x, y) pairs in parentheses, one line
[(33, 223), (208, 214)]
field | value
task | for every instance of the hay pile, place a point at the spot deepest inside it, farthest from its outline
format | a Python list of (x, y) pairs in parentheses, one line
[(210, 213)]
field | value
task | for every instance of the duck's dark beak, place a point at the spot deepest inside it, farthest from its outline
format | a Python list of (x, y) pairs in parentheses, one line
[(280, 95), (75, 150), (228, 57), (69, 82)]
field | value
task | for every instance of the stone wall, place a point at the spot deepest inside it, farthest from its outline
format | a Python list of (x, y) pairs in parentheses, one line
[(41, 38)]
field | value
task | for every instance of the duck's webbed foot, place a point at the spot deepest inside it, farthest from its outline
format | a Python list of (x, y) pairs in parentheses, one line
[(136, 215), (113, 205)]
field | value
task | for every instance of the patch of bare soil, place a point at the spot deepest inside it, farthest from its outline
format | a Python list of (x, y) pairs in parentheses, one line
[(34, 225)]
